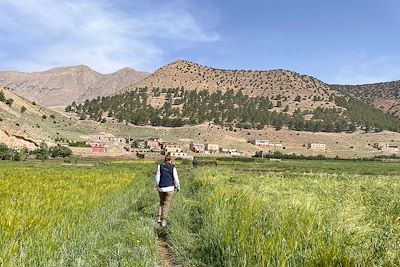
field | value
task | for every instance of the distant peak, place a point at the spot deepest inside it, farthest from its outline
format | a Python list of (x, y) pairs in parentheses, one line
[(126, 69), (71, 68)]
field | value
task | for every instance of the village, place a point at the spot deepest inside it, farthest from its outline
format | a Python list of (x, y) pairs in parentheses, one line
[(108, 145)]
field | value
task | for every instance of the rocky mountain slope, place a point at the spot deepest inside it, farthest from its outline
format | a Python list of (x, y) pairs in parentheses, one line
[(284, 84), (23, 123), (61, 86), (384, 96)]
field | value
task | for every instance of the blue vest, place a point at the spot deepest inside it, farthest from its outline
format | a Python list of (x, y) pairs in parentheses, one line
[(167, 176)]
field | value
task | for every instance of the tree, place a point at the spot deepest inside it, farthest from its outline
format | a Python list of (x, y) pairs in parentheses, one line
[(298, 98), (23, 109), (42, 152), (5, 152), (9, 102), (60, 151), (17, 156), (367, 127), (2, 97)]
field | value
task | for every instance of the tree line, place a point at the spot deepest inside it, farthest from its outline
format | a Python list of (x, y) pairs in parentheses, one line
[(230, 109), (43, 152)]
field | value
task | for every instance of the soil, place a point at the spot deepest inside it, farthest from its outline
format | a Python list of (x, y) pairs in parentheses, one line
[(164, 249)]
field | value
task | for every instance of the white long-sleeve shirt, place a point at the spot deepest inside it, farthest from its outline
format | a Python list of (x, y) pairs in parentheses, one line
[(168, 188)]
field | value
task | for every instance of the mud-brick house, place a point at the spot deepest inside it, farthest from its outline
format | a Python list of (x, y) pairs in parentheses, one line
[(317, 146), (154, 144), (212, 148), (259, 142), (172, 148), (197, 147)]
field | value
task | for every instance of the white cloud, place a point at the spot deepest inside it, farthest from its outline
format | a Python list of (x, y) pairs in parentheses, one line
[(49, 33), (367, 69)]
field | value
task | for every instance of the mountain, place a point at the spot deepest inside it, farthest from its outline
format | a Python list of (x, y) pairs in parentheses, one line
[(273, 84), (384, 96), (61, 86), (185, 93), (23, 123)]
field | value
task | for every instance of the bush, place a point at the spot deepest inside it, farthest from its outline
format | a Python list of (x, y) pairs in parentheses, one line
[(5, 152), (60, 152), (42, 152), (9, 102)]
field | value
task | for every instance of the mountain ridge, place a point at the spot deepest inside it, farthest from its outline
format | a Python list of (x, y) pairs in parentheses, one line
[(62, 85)]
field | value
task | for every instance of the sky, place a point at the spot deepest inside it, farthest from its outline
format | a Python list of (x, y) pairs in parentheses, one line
[(336, 41)]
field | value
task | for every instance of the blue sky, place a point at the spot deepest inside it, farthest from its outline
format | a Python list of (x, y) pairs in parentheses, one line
[(352, 42)]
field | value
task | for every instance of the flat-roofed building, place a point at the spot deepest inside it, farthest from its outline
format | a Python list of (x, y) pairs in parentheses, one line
[(212, 148), (317, 146), (197, 147), (172, 148), (259, 142), (153, 143)]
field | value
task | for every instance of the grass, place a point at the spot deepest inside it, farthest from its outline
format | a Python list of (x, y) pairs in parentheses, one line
[(76, 216), (260, 213), (227, 218)]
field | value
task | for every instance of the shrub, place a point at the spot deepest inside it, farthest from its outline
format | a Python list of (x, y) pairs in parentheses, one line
[(60, 152)]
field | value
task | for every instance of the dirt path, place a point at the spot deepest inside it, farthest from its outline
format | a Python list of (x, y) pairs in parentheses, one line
[(164, 249)]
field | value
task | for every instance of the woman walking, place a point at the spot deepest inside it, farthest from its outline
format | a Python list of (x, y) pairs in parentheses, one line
[(166, 181)]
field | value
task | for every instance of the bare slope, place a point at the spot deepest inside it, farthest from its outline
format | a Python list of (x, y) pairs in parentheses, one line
[(36, 124), (61, 86), (384, 96), (272, 83)]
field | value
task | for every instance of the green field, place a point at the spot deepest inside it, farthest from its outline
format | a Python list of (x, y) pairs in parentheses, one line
[(257, 213)]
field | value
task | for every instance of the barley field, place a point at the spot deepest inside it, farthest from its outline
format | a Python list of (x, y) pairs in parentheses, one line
[(237, 218), (254, 213), (54, 216)]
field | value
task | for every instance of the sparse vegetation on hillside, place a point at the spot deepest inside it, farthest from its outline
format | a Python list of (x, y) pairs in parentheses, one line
[(231, 109), (384, 96)]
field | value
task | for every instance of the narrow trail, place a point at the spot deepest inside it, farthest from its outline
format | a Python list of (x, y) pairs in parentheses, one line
[(164, 249)]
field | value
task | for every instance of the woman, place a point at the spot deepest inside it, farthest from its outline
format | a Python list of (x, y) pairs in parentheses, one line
[(166, 181)]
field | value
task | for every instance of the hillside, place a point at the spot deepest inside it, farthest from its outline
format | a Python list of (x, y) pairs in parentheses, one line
[(384, 96), (61, 86), (273, 84), (185, 93), (23, 123)]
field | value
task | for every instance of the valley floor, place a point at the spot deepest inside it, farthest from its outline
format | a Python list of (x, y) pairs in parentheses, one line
[(241, 213)]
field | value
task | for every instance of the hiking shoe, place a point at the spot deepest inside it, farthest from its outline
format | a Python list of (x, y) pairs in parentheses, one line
[(163, 223)]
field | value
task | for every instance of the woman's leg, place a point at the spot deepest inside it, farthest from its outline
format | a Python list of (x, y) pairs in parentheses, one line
[(162, 199), (166, 206)]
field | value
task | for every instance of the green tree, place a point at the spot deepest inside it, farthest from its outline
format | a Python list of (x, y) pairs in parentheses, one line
[(5, 152), (9, 102), (23, 109), (42, 153), (60, 152), (2, 97)]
